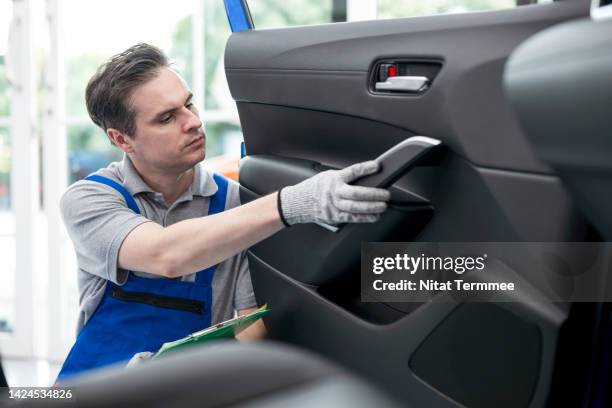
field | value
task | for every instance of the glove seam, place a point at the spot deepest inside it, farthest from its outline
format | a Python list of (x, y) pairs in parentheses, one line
[(279, 207)]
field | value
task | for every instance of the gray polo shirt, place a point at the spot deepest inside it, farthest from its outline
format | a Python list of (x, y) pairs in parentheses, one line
[(98, 220)]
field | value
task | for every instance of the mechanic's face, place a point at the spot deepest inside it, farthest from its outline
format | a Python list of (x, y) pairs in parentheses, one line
[(169, 134)]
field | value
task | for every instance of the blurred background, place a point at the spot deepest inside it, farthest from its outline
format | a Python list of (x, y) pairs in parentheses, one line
[(48, 51)]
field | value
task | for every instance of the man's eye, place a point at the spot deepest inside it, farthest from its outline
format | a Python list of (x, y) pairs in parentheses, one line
[(166, 119), (189, 105)]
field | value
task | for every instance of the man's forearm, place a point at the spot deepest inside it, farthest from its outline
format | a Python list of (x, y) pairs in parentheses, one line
[(202, 242), (192, 245), (256, 331)]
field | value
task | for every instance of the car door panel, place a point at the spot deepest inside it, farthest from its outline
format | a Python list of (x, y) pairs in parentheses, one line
[(326, 68), (306, 104), (384, 352)]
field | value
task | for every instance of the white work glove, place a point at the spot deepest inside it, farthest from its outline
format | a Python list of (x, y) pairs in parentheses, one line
[(139, 358), (328, 198)]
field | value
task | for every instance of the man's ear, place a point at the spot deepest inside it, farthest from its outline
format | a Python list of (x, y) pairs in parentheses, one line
[(119, 139)]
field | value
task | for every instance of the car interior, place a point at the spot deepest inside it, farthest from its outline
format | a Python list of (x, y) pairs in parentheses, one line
[(505, 118), (313, 98)]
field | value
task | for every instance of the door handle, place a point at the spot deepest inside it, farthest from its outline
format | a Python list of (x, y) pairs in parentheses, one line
[(403, 84), (397, 160), (393, 164)]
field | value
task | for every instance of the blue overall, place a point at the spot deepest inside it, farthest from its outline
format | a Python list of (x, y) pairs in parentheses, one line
[(143, 313)]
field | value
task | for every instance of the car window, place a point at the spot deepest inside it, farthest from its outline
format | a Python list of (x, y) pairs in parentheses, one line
[(285, 13), (413, 8)]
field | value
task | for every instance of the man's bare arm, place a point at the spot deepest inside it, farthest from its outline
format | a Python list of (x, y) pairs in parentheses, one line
[(256, 331), (192, 245)]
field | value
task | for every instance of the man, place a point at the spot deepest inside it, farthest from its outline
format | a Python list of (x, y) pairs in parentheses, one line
[(160, 242)]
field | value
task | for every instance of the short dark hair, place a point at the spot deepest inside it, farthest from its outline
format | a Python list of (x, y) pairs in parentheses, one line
[(109, 91)]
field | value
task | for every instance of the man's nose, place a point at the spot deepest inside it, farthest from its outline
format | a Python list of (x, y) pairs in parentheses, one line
[(192, 121)]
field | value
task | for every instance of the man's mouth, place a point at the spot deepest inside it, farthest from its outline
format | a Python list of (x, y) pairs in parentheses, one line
[(196, 142)]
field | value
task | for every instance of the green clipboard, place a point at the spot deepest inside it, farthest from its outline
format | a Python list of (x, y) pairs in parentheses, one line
[(223, 330)]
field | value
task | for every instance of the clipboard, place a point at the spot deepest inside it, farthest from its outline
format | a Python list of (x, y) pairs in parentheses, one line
[(223, 330)]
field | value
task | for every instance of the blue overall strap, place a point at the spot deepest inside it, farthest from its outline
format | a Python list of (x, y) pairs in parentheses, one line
[(217, 202), (111, 183)]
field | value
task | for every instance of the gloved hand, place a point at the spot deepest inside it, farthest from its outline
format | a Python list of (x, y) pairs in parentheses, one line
[(328, 198)]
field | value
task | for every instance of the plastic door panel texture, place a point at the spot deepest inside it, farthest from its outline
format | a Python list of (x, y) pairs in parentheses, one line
[(306, 104)]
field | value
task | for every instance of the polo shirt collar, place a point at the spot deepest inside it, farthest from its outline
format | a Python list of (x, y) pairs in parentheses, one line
[(203, 183)]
